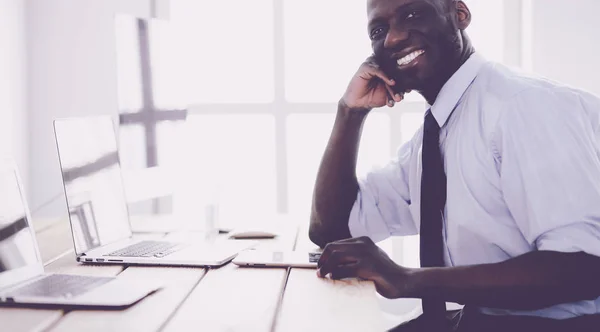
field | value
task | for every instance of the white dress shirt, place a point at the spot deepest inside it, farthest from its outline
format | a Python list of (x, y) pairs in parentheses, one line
[(522, 159)]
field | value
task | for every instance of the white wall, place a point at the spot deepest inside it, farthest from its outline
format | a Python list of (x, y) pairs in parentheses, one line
[(565, 41), (72, 63), (13, 84)]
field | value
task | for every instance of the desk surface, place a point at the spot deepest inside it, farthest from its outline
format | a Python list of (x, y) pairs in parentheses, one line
[(224, 299)]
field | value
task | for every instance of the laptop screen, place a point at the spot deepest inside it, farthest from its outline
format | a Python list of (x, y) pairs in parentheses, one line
[(93, 183), (17, 246)]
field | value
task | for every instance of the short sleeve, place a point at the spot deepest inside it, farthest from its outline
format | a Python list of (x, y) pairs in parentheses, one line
[(381, 208), (550, 168)]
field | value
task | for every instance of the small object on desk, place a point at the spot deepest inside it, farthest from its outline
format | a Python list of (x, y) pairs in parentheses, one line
[(262, 258), (313, 257), (252, 234)]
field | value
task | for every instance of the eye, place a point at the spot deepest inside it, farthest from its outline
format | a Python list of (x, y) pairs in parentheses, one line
[(375, 33), (414, 14)]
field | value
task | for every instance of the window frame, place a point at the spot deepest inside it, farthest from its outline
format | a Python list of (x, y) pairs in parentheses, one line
[(517, 38)]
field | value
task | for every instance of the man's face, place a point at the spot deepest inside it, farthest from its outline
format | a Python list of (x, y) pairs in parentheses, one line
[(414, 41)]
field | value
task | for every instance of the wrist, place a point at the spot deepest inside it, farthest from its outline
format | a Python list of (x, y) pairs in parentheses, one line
[(408, 282), (350, 118), (354, 113)]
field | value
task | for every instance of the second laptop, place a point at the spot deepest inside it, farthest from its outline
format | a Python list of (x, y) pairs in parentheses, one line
[(98, 213)]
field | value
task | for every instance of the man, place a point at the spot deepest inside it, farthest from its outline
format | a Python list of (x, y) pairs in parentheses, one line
[(502, 183)]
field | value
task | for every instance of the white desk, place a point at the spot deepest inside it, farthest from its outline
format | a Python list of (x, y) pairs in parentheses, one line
[(195, 299)]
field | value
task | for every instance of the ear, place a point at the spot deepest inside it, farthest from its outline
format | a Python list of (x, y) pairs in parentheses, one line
[(463, 14)]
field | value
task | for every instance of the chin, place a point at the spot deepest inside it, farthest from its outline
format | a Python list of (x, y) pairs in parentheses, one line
[(413, 80), (418, 78)]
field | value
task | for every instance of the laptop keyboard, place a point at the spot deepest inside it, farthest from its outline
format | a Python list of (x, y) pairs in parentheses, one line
[(147, 249), (60, 285)]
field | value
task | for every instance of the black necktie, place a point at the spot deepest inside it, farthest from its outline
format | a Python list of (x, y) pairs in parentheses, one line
[(433, 200)]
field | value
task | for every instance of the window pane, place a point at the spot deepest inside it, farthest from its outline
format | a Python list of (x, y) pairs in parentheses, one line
[(411, 251), (375, 147), (213, 52), (132, 146), (170, 138), (128, 64), (487, 28), (233, 152), (305, 152), (321, 56)]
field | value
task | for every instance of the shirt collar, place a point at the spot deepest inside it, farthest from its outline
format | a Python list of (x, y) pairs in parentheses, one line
[(454, 89)]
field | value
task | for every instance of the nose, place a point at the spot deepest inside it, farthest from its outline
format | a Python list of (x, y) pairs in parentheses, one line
[(395, 36)]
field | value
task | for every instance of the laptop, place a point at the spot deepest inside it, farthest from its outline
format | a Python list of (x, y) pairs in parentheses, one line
[(98, 212), (22, 278)]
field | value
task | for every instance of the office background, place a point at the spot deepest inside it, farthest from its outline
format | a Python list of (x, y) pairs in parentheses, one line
[(256, 81)]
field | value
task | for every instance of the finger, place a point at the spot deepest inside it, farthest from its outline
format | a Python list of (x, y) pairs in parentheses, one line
[(395, 96), (348, 240), (377, 72), (338, 245), (336, 259), (325, 254), (345, 271), (346, 247), (365, 239), (391, 102), (372, 61), (355, 240), (350, 245), (391, 95)]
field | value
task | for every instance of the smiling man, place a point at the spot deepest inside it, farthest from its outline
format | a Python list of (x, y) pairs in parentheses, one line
[(502, 183)]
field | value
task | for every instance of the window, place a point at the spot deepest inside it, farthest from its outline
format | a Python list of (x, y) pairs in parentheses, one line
[(231, 156), (487, 28), (307, 136), (321, 56), (209, 53), (261, 84), (139, 116)]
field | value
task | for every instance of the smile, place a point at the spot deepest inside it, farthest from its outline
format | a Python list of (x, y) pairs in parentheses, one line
[(408, 59)]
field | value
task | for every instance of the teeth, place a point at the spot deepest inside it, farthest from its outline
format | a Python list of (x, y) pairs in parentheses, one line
[(409, 58)]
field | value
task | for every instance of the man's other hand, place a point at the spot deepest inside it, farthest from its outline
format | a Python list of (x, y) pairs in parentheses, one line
[(362, 258), (370, 88)]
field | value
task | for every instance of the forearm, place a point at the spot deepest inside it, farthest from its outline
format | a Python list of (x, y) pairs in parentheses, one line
[(533, 281), (336, 185)]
